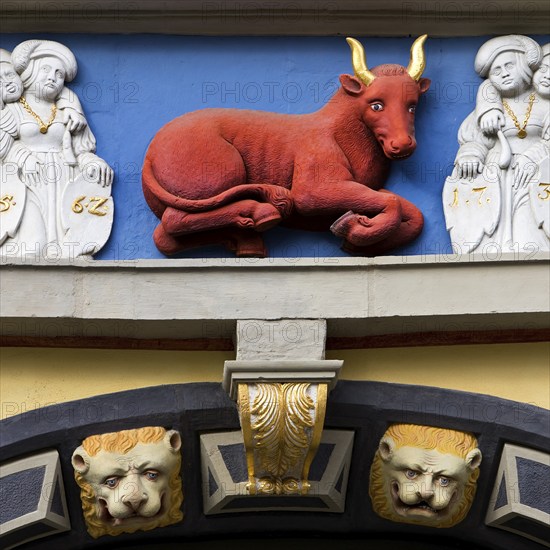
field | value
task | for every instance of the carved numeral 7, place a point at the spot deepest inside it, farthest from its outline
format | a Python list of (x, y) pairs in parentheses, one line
[(479, 190)]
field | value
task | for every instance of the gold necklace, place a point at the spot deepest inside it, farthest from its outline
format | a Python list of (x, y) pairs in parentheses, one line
[(43, 125), (522, 132)]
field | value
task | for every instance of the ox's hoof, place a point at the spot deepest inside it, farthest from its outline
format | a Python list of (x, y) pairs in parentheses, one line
[(265, 217), (250, 251), (360, 230), (344, 224), (166, 244), (246, 244)]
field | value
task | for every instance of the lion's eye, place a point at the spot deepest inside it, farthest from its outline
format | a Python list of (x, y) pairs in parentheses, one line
[(151, 475), (377, 107), (111, 482), (411, 474), (412, 109), (444, 481)]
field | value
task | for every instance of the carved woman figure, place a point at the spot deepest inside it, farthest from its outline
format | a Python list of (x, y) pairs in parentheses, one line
[(64, 174), (487, 200), (12, 190)]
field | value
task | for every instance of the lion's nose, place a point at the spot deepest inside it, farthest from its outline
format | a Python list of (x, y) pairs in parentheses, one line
[(135, 499), (425, 489)]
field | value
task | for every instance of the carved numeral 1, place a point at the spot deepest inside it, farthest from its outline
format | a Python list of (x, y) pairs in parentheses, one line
[(6, 202), (455, 197)]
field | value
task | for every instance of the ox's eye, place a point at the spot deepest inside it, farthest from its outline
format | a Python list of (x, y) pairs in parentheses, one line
[(411, 474), (151, 475), (444, 481), (377, 107), (112, 482), (412, 109)]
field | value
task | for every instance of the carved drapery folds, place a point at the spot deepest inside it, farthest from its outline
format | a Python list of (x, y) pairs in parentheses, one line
[(282, 401)]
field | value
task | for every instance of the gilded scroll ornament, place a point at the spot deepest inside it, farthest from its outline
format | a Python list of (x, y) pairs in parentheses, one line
[(282, 425)]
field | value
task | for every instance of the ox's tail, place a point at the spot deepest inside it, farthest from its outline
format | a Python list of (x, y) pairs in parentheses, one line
[(151, 185), (159, 198)]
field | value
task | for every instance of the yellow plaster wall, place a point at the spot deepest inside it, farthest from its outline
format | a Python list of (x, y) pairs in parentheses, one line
[(520, 372), (35, 377)]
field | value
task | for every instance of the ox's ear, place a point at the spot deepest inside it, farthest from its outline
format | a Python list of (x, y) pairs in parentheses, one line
[(424, 85), (351, 84)]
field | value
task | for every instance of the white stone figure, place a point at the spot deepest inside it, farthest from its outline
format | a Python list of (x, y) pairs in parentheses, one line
[(495, 201), (68, 209), (12, 189)]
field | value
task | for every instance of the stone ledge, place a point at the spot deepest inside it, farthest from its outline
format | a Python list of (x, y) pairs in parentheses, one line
[(204, 298)]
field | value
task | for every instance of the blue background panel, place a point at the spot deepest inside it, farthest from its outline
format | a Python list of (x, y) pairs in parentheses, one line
[(130, 86)]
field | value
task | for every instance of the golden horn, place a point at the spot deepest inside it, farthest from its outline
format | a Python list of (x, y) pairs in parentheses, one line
[(359, 62), (417, 63)]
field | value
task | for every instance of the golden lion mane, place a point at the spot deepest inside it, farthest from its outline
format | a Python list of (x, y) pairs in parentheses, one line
[(122, 442), (424, 437)]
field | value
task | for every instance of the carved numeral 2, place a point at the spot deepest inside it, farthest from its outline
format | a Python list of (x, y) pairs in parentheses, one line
[(95, 206), (6, 202)]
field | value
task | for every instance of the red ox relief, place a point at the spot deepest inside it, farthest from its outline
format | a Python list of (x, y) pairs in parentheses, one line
[(223, 176)]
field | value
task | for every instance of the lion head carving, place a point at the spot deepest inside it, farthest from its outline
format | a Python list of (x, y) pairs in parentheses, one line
[(424, 475), (129, 480)]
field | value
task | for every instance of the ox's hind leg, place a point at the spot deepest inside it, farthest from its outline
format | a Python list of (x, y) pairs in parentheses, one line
[(244, 243), (245, 214), (411, 226)]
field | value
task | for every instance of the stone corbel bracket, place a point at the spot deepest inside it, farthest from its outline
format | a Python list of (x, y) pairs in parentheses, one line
[(282, 401), (282, 411)]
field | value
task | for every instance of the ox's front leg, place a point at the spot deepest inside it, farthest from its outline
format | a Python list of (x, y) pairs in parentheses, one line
[(363, 230), (410, 227), (365, 216)]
